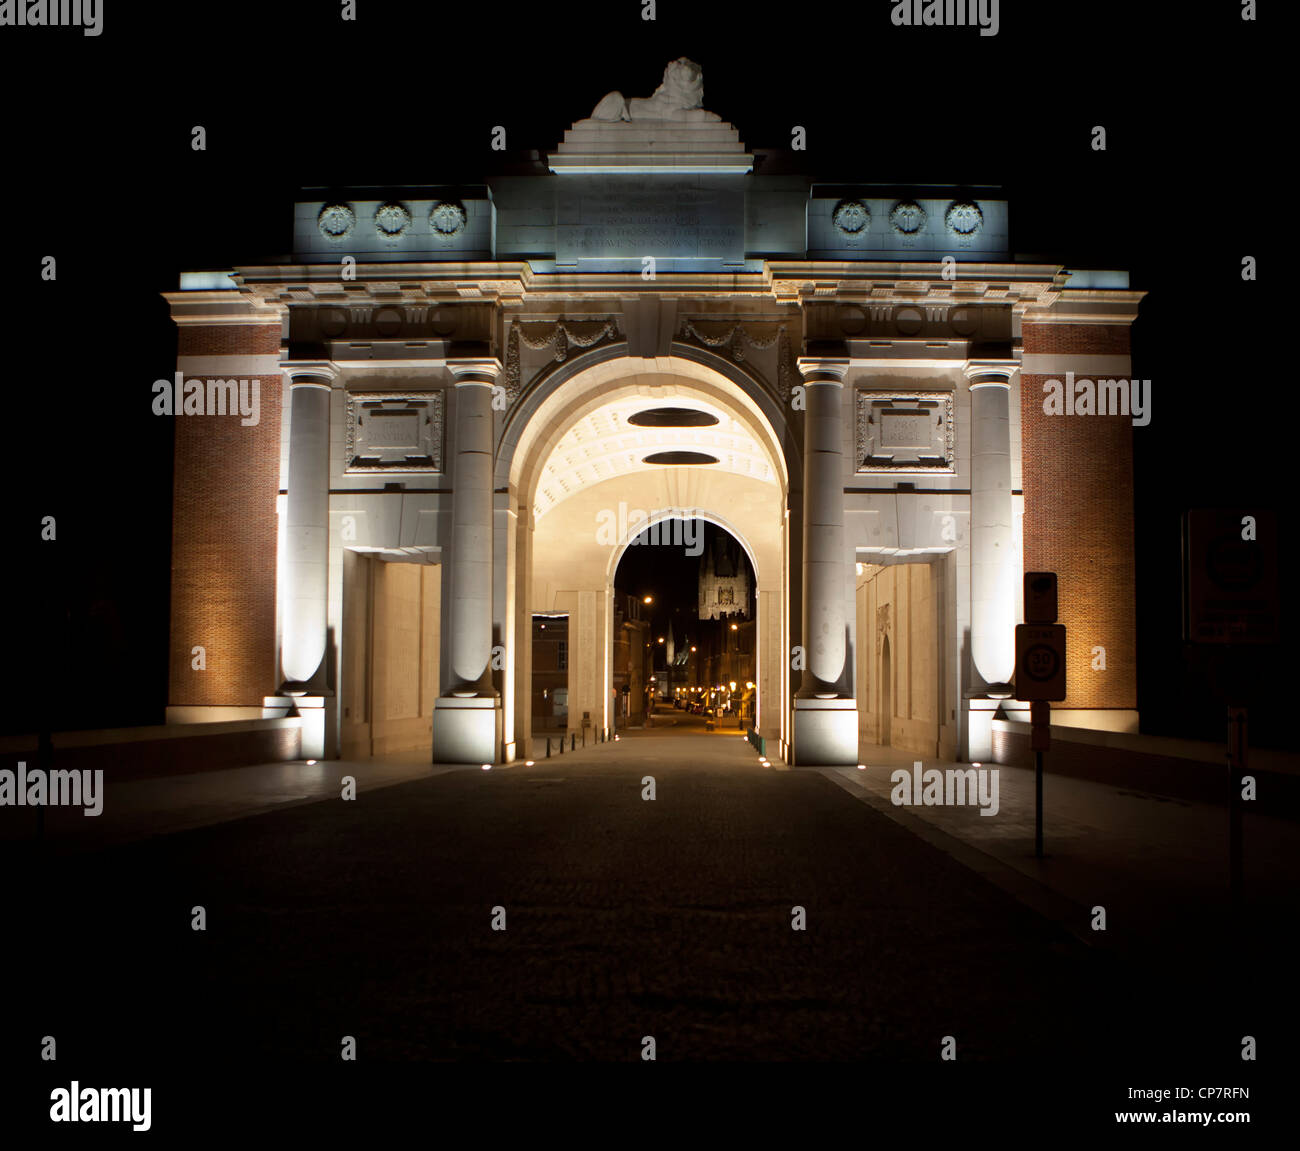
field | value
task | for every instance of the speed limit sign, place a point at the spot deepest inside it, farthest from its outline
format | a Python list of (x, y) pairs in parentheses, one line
[(1040, 661)]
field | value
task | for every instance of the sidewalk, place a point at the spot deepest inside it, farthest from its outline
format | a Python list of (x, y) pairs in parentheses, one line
[(1158, 865), (139, 808)]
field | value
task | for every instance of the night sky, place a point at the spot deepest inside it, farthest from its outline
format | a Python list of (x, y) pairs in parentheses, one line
[(100, 174)]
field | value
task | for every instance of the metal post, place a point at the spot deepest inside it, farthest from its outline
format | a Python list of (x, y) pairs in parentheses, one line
[(1237, 745), (1038, 804), (1040, 712)]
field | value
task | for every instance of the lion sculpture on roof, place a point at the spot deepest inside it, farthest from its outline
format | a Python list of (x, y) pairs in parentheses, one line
[(680, 97)]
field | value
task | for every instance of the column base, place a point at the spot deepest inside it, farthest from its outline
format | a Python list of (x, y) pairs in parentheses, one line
[(980, 713), (312, 710), (466, 730), (824, 733)]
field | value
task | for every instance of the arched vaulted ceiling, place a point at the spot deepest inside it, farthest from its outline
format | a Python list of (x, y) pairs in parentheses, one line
[(603, 444)]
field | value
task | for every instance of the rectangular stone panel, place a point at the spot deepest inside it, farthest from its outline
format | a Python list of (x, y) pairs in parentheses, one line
[(904, 431), (394, 432), (629, 217)]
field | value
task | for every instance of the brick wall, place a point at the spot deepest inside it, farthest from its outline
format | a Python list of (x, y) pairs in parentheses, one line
[(1078, 484), (225, 484)]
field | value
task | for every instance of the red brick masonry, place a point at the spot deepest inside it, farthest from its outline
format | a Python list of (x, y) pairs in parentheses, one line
[(1078, 484), (224, 535)]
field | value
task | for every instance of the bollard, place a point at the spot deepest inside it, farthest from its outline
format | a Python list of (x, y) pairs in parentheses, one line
[(573, 741), (548, 747)]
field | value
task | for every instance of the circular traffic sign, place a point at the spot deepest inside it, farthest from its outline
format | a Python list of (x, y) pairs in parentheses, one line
[(1041, 662)]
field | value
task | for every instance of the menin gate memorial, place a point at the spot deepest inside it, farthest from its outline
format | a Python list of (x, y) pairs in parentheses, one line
[(449, 416)]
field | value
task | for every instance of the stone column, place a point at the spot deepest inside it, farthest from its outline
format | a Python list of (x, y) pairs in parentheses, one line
[(467, 720), (825, 723), (993, 569), (306, 550), (306, 553)]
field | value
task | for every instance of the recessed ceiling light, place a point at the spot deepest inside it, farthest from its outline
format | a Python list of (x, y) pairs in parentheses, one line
[(679, 458), (672, 418)]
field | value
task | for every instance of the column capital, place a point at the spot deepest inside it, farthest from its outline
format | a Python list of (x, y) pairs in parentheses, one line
[(310, 373), (482, 370), (990, 373), (823, 369)]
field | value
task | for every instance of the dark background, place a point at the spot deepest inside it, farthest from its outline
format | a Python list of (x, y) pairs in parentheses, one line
[(100, 174)]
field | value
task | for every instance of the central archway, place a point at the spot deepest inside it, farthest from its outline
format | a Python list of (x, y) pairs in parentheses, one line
[(583, 479)]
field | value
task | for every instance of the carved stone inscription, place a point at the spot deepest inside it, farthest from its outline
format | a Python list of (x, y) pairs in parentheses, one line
[(904, 430), (390, 430), (909, 431), (628, 217), (394, 432)]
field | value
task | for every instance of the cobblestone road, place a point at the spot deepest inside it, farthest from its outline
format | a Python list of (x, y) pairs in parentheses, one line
[(624, 918)]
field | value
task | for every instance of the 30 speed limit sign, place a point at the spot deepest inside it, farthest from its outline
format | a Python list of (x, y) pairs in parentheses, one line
[(1040, 661)]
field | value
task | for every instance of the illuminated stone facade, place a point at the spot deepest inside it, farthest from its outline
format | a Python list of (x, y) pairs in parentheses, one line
[(449, 376), (724, 582)]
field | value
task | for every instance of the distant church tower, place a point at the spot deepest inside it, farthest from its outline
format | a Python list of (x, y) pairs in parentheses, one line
[(724, 581)]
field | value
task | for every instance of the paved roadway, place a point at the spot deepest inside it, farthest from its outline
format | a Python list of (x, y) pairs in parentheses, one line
[(624, 918)]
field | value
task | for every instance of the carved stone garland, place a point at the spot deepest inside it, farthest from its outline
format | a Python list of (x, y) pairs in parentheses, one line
[(734, 338), (512, 366), (787, 369), (580, 333)]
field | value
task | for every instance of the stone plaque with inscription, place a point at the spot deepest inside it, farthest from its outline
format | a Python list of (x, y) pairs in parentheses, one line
[(905, 431), (394, 432), (668, 217)]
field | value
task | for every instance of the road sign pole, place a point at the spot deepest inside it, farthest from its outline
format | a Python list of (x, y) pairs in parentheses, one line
[(1040, 718), (1038, 804), (1237, 747), (1040, 676)]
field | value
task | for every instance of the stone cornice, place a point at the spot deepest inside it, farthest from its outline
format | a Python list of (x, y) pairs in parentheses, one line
[(1085, 306), (790, 282), (1035, 292), (222, 307)]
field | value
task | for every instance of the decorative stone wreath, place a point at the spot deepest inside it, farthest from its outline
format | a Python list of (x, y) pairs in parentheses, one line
[(963, 217), (447, 217), (851, 217), (907, 217), (336, 221), (392, 219)]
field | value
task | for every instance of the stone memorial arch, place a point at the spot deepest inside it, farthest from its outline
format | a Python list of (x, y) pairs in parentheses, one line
[(450, 383)]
